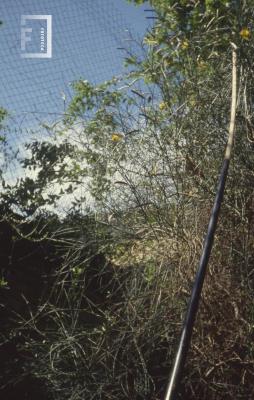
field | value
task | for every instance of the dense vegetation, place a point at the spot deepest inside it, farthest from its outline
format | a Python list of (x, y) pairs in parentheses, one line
[(93, 302)]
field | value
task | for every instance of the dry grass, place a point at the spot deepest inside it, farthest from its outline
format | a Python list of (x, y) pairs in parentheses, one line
[(111, 324)]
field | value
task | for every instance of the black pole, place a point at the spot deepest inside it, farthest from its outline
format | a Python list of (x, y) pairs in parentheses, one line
[(186, 334)]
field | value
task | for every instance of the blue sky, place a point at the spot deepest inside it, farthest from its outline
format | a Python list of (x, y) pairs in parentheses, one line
[(86, 34)]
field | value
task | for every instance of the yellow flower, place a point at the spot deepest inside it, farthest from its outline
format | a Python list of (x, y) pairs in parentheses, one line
[(245, 33), (185, 44), (162, 105), (116, 137)]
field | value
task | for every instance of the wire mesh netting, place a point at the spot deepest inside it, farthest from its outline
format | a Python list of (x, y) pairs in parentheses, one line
[(86, 37)]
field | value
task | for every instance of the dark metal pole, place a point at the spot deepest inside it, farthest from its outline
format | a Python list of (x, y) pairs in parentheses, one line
[(185, 339), (186, 334)]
